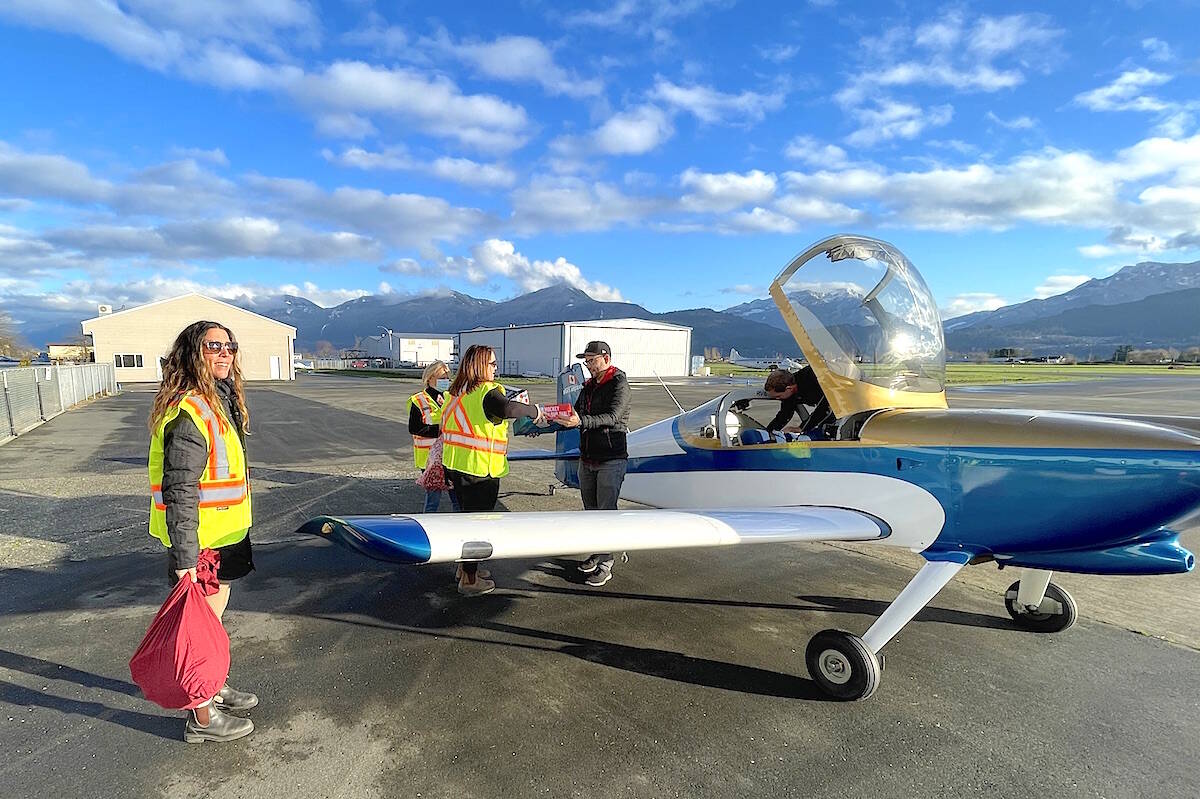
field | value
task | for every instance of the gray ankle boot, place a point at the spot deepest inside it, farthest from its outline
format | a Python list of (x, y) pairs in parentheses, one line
[(221, 727), (233, 699)]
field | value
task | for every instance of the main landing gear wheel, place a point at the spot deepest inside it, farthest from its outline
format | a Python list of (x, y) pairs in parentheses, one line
[(1056, 613), (842, 665)]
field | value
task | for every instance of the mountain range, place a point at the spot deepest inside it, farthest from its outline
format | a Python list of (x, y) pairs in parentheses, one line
[(1149, 304)]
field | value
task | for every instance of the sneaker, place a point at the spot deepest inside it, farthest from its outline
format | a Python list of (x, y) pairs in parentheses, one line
[(232, 699), (591, 564), (221, 727), (600, 576), (477, 588)]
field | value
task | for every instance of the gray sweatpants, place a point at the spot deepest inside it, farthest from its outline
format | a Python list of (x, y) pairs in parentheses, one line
[(600, 486)]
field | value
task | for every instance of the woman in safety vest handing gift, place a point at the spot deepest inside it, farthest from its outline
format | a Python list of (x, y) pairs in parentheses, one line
[(200, 488), (475, 443)]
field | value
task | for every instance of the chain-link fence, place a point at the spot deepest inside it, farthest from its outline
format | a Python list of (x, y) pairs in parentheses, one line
[(32, 395)]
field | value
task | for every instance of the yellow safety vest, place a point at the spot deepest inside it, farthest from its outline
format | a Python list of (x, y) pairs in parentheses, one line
[(471, 443), (431, 413), (224, 485)]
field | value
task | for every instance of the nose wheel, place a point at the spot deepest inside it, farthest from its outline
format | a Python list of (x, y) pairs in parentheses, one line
[(1056, 612), (842, 665)]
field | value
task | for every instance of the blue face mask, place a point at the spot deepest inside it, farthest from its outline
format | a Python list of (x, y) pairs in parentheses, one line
[(443, 384)]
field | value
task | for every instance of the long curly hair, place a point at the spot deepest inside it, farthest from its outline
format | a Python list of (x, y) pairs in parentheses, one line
[(472, 369), (186, 370)]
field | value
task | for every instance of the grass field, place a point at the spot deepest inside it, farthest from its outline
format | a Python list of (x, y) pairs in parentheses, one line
[(981, 374)]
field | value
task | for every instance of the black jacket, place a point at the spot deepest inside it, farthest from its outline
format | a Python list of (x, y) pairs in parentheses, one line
[(808, 392), (185, 454), (603, 408)]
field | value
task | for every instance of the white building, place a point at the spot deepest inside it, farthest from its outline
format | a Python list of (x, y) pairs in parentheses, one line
[(418, 348), (640, 348), (135, 339)]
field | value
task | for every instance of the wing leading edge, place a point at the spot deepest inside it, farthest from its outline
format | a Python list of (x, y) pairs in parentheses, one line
[(449, 537)]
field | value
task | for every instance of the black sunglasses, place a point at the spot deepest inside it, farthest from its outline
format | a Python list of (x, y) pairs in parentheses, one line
[(217, 346)]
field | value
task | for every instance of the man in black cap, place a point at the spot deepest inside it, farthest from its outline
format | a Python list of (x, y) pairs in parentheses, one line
[(602, 415)]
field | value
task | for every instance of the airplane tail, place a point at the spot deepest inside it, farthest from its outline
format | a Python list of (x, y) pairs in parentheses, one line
[(733, 355)]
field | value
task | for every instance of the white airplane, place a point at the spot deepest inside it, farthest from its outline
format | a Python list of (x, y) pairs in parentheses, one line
[(882, 460), (778, 362)]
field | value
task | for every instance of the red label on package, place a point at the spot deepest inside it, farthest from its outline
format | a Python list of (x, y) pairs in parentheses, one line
[(560, 411)]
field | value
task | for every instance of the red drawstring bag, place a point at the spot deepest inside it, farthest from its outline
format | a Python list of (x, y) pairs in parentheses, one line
[(434, 476), (184, 659)]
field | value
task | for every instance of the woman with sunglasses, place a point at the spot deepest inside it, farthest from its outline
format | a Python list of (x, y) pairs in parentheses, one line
[(475, 444), (200, 487)]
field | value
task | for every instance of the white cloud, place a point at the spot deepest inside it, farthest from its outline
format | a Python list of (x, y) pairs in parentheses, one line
[(1016, 123), (522, 59), (994, 36), (709, 105), (403, 266), (1148, 188), (456, 170), (815, 153), (32, 176), (970, 303), (1125, 93), (778, 53), (1157, 49), (818, 209), (747, 289), (892, 120), (214, 156), (498, 257), (433, 103), (569, 203), (634, 132), (1057, 284), (726, 191), (758, 220), (345, 126)]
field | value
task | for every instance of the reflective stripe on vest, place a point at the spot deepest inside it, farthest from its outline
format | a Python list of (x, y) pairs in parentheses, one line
[(473, 445), (224, 490), (431, 413)]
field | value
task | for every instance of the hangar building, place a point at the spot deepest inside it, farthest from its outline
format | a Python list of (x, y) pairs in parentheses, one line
[(134, 339), (419, 348), (640, 347)]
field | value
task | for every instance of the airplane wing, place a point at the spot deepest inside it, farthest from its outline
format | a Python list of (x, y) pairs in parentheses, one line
[(450, 537)]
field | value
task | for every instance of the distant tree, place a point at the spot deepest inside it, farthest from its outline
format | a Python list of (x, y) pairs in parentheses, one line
[(325, 349), (1121, 354), (1148, 356), (10, 345), (1069, 359), (1190, 355), (1006, 352), (977, 357)]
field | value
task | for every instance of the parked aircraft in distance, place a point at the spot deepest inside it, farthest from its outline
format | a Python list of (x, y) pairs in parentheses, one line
[(778, 362), (880, 460)]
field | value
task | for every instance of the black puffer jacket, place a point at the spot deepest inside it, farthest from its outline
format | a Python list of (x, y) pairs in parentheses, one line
[(603, 408), (185, 454)]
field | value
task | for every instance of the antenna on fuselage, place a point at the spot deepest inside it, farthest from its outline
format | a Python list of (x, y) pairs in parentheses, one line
[(669, 394)]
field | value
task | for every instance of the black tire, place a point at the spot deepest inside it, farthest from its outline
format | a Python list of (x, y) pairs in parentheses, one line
[(1043, 622), (842, 666)]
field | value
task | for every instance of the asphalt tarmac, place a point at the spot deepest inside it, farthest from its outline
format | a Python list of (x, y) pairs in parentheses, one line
[(684, 676)]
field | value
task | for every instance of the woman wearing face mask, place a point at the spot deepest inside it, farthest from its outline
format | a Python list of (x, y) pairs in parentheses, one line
[(424, 418)]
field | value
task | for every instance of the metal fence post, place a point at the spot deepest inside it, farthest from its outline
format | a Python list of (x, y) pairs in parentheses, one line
[(37, 392), (12, 427)]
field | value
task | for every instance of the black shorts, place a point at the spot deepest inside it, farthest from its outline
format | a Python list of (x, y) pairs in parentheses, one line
[(237, 560)]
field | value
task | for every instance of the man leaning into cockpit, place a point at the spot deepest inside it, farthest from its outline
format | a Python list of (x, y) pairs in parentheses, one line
[(792, 389)]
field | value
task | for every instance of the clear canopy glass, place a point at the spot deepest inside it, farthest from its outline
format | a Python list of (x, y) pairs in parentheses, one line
[(868, 314)]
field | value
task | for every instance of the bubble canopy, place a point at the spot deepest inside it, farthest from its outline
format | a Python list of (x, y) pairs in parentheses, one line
[(867, 323)]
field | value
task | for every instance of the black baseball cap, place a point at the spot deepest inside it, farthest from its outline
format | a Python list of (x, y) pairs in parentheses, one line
[(595, 348)]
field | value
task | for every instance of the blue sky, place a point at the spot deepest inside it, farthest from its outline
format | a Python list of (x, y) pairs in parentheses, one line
[(670, 154)]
